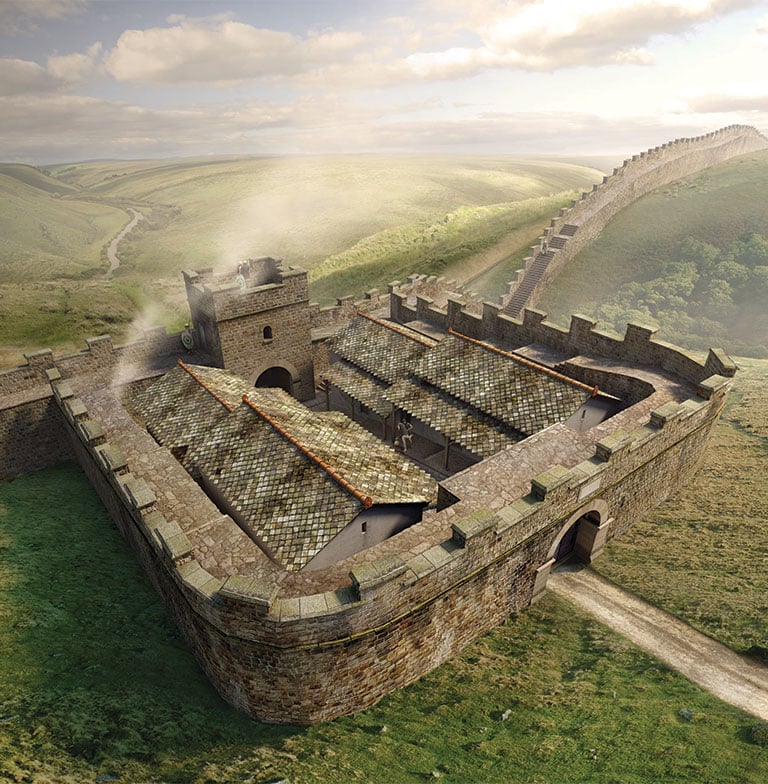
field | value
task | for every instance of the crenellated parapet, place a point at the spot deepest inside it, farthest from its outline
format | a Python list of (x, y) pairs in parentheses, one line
[(638, 346), (437, 289), (101, 360)]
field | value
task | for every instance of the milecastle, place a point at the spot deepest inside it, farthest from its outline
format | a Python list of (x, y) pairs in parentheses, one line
[(333, 501)]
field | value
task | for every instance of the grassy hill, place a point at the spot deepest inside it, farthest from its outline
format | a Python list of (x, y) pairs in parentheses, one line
[(480, 246), (691, 258), (354, 221), (96, 684), (306, 209), (47, 231)]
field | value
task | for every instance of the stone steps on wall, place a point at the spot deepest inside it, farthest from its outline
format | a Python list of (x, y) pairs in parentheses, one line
[(533, 274), (528, 284), (558, 242)]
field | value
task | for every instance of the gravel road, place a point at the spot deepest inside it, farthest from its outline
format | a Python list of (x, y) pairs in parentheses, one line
[(737, 679)]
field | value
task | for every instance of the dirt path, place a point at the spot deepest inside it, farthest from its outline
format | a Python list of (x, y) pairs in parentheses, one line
[(114, 261), (739, 680)]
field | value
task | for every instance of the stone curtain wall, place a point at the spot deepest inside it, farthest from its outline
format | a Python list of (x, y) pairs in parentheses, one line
[(31, 434), (307, 658), (637, 176), (102, 361), (437, 289)]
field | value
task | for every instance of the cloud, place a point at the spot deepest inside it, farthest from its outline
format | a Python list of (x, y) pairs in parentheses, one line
[(548, 35), (20, 15), (24, 77), (19, 77), (463, 40), (96, 128), (744, 97), (325, 124), (75, 68), (222, 51)]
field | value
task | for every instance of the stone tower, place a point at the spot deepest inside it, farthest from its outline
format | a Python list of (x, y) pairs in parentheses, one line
[(255, 322)]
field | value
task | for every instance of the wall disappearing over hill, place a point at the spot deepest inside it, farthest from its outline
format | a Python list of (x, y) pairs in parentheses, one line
[(578, 225)]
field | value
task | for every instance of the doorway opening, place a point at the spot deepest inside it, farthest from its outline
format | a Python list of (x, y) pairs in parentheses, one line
[(276, 377), (569, 546)]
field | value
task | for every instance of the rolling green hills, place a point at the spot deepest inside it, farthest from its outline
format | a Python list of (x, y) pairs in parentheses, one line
[(354, 221), (691, 258), (48, 231), (305, 209)]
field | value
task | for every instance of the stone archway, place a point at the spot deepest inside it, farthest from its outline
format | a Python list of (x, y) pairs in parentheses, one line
[(577, 540), (582, 535), (276, 376)]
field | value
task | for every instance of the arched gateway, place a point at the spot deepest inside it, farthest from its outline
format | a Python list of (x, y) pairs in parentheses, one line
[(276, 377), (583, 536)]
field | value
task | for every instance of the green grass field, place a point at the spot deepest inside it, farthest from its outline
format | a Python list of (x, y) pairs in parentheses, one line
[(305, 209), (46, 237), (702, 555)]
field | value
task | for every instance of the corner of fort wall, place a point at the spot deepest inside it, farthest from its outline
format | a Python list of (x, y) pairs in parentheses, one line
[(30, 432)]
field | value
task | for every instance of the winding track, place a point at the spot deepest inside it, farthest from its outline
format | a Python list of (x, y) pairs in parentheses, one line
[(739, 680), (114, 261)]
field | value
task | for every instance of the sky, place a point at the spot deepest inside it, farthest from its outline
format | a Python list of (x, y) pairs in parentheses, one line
[(127, 79)]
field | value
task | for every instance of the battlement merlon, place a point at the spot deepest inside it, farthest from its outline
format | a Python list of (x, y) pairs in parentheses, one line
[(639, 345)]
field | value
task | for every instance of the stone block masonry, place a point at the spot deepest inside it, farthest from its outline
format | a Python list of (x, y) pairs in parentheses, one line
[(252, 326)]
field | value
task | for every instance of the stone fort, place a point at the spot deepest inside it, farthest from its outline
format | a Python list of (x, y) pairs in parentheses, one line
[(333, 501)]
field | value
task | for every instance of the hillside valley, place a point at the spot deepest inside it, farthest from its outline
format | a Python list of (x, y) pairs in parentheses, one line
[(551, 694), (354, 221)]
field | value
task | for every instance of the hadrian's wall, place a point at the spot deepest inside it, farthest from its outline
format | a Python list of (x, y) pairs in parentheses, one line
[(374, 301), (636, 177), (287, 656)]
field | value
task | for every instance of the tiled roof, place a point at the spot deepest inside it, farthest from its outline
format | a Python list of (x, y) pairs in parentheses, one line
[(289, 504), (177, 410), (294, 477), (359, 385), (387, 351), (228, 387), (515, 393), (368, 464), (460, 423)]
